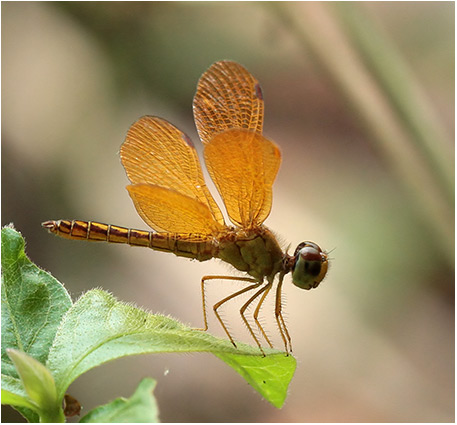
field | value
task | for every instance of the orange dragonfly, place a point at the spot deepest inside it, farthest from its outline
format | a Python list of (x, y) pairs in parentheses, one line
[(170, 195)]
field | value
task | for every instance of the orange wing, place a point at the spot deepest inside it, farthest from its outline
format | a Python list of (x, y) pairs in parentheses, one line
[(227, 97), (228, 111), (170, 211), (243, 165), (167, 180)]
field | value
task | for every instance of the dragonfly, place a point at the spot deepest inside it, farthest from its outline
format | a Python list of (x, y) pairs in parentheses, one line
[(169, 192)]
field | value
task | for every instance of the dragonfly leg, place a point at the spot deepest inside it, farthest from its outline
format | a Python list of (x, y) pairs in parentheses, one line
[(257, 311), (280, 319), (255, 282), (203, 281), (218, 304), (265, 291), (205, 319)]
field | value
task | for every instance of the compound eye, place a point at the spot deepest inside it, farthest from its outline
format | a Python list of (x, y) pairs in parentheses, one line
[(306, 244), (310, 266)]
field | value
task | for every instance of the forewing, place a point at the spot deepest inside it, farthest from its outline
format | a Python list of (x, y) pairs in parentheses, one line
[(243, 166), (157, 153), (167, 210), (227, 97)]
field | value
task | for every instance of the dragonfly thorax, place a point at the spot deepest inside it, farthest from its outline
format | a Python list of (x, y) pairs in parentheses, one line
[(255, 252)]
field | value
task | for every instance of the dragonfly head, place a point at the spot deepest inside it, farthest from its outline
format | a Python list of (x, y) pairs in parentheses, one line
[(309, 265)]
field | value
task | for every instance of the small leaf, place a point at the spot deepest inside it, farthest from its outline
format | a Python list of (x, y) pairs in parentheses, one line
[(39, 386), (36, 378), (98, 328), (141, 407), (17, 400), (15, 387)]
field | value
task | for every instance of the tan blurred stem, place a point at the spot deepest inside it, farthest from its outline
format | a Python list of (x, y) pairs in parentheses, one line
[(317, 30), (404, 93)]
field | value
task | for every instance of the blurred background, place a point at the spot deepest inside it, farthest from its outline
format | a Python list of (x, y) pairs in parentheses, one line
[(360, 98)]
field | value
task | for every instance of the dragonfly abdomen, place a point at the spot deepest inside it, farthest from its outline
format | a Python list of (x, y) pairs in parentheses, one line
[(168, 242)]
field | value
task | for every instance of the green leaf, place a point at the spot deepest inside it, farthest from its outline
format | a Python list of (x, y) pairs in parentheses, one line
[(98, 329), (36, 378), (33, 303), (16, 389), (39, 386), (17, 400), (140, 408), (270, 381)]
